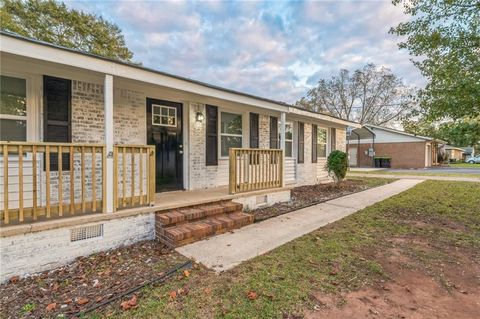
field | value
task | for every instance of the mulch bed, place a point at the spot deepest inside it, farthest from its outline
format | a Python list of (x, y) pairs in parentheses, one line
[(86, 282), (304, 196)]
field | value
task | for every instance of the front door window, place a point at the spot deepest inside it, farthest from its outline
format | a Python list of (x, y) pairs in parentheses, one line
[(13, 109)]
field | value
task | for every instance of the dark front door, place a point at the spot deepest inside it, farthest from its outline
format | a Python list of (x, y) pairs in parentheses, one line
[(164, 130)]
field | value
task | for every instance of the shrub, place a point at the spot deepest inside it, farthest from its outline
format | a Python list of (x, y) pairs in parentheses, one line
[(337, 164)]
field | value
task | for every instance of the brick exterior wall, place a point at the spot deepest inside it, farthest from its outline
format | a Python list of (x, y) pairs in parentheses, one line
[(39, 251), (404, 155), (264, 131)]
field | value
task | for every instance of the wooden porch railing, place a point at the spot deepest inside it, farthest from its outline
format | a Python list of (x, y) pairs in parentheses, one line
[(134, 175), (255, 169), (48, 180)]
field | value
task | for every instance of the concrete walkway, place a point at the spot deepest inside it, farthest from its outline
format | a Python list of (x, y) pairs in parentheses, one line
[(422, 177), (228, 250)]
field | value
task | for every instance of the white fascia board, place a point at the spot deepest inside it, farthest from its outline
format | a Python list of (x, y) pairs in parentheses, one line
[(322, 117), (55, 55)]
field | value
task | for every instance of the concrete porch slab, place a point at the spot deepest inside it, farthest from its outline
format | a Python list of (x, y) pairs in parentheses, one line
[(225, 251)]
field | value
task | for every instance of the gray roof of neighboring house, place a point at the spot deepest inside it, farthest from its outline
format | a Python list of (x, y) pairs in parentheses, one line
[(369, 128), (28, 39), (450, 147)]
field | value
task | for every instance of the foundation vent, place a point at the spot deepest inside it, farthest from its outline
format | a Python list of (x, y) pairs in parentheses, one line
[(87, 232)]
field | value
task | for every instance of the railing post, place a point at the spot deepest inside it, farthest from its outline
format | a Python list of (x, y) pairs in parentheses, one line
[(108, 110), (232, 168), (283, 118)]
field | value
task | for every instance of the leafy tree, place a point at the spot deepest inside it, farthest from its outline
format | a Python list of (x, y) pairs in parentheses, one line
[(53, 22), (444, 35), (369, 95), (463, 132)]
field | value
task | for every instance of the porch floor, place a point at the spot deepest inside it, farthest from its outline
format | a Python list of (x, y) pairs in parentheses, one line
[(184, 198)]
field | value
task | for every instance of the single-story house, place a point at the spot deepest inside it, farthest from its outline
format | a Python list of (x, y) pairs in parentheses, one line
[(377, 146), (96, 153), (455, 153)]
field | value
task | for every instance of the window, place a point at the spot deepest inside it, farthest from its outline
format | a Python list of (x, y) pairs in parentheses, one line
[(321, 142), (333, 139), (211, 142), (230, 132), (13, 109), (164, 115), (254, 130), (273, 132), (301, 143), (288, 139)]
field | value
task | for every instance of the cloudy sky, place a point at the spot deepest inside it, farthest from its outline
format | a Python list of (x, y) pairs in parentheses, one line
[(271, 49)]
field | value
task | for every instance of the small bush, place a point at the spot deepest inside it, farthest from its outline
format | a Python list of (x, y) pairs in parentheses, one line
[(337, 164)]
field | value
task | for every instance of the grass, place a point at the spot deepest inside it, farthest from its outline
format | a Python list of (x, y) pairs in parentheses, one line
[(373, 181), (333, 259), (465, 165), (413, 173)]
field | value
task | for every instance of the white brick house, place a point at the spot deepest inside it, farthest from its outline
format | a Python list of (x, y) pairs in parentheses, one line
[(111, 115)]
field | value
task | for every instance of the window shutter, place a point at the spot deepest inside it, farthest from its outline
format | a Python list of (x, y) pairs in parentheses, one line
[(274, 132), (57, 100), (211, 143), (314, 143), (333, 139), (301, 143), (254, 136)]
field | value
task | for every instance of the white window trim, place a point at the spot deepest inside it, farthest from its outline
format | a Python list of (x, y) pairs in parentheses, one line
[(30, 118), (327, 136), (168, 107), (287, 140), (220, 134)]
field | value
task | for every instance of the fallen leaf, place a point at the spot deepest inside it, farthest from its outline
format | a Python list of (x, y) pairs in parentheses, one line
[(186, 273), (173, 294), (14, 279), (207, 290), (133, 301), (82, 301), (51, 306), (125, 305), (252, 295)]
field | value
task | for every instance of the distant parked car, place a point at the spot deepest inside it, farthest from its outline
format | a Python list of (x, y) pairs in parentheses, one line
[(473, 160)]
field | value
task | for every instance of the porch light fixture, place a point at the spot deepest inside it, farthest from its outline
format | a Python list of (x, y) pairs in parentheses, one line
[(199, 117)]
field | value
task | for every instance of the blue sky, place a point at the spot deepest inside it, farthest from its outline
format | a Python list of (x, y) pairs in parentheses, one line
[(272, 49)]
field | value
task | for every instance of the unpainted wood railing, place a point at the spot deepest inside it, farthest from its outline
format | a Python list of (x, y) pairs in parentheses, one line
[(48, 180), (255, 169), (133, 176)]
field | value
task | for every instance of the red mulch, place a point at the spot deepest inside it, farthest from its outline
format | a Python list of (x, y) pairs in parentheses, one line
[(304, 196), (86, 282)]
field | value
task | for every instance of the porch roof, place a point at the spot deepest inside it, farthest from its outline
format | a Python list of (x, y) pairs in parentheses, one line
[(28, 47)]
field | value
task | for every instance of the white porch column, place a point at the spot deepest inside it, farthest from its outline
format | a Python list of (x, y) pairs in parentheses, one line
[(108, 110), (283, 118)]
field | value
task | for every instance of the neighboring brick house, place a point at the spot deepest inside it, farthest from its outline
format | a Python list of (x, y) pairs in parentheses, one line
[(371, 146), (455, 153), (89, 140)]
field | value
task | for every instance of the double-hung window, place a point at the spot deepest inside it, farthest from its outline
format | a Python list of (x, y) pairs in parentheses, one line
[(321, 142), (13, 109), (230, 132), (288, 139)]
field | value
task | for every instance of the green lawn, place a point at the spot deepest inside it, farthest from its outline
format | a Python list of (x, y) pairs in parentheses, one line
[(412, 172), (466, 165), (333, 259)]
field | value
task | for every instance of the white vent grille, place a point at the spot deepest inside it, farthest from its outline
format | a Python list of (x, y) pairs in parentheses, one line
[(82, 233), (261, 200)]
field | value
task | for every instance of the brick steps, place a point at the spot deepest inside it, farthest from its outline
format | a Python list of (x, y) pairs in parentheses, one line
[(182, 226)]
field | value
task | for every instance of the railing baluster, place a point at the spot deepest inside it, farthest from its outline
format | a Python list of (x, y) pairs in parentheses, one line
[(94, 180), (82, 162), (104, 178), (140, 152), (20, 183), (60, 181), (124, 173), (72, 182), (6, 213), (132, 186), (47, 182), (115, 178), (34, 177)]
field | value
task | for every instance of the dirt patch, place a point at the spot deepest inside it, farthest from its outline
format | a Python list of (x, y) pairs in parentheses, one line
[(304, 196), (86, 282), (412, 290)]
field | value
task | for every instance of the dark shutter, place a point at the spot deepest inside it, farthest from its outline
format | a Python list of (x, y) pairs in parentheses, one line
[(211, 143), (314, 143), (301, 143), (254, 130), (274, 132), (57, 116), (333, 139)]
